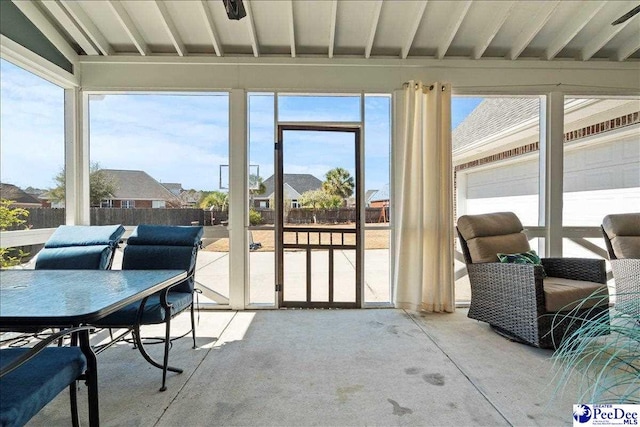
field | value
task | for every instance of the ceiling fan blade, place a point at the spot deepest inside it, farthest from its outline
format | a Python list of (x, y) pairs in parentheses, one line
[(627, 16)]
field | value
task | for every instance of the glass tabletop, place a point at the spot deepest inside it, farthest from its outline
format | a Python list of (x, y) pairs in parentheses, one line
[(72, 297)]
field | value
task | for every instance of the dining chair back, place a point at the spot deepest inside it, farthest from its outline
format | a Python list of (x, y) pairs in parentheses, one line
[(80, 247)]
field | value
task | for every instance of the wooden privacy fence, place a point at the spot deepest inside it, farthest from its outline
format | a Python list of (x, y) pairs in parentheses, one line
[(325, 216), (51, 218)]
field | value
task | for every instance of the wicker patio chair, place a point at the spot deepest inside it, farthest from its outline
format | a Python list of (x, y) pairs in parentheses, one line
[(622, 237), (536, 304)]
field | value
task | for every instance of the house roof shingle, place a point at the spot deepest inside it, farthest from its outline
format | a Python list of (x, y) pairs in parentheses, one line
[(136, 185), (492, 116), (11, 192), (300, 182)]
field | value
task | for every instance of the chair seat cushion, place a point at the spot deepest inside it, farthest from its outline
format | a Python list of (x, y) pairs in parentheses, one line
[(30, 387), (153, 311), (564, 294), (74, 258)]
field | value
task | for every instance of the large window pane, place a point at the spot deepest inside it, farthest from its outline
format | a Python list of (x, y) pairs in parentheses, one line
[(31, 154), (163, 159), (496, 161), (261, 231), (377, 236)]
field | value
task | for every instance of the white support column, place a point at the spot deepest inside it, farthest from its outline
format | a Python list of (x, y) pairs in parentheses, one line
[(76, 148), (238, 199), (551, 172)]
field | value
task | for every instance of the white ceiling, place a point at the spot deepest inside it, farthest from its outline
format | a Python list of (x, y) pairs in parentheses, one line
[(511, 30)]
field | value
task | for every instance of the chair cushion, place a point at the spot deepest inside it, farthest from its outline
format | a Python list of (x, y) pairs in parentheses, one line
[(147, 257), (166, 235), (74, 258), (488, 234), (153, 311), (564, 294), (85, 235), (624, 233), (486, 249), (30, 387), (492, 224)]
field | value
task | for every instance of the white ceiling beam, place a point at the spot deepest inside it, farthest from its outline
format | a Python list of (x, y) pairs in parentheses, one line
[(332, 26), (170, 27), (31, 11), (462, 7), (210, 26), (413, 29), (129, 27), (251, 28), (628, 48), (374, 27), (61, 15), (292, 34), (36, 64), (491, 29), (586, 11), (532, 29), (602, 38), (87, 25)]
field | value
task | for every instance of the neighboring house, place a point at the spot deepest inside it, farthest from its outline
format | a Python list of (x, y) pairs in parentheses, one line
[(295, 184), (379, 199), (137, 189), (496, 159), (188, 198), (174, 187), (20, 198)]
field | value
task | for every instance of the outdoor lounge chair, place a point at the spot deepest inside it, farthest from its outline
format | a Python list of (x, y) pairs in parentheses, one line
[(622, 237), (30, 378), (76, 247), (158, 247), (535, 304)]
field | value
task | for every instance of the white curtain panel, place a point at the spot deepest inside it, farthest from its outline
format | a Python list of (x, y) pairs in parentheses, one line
[(423, 172)]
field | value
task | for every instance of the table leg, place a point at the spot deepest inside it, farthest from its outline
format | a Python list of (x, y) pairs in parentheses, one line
[(92, 379)]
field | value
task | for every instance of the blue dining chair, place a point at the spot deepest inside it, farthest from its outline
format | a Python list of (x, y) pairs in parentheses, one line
[(159, 247), (30, 378), (78, 247)]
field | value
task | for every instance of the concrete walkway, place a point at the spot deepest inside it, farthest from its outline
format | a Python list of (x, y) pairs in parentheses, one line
[(329, 368)]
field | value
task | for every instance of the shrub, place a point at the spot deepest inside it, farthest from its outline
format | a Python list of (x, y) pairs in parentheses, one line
[(9, 218), (255, 218)]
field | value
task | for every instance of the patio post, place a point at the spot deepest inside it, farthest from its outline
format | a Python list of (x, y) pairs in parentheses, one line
[(551, 173)]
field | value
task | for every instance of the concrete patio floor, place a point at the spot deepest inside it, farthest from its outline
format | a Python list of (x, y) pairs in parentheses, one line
[(328, 368)]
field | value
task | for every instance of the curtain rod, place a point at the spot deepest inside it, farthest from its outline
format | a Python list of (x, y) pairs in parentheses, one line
[(424, 87)]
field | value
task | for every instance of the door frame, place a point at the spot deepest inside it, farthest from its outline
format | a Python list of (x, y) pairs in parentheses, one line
[(357, 130)]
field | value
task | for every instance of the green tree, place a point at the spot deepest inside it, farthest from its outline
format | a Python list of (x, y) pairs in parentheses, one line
[(11, 217), (320, 199), (216, 199), (339, 182), (100, 186)]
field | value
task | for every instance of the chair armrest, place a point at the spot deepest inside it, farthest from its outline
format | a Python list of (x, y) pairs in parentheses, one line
[(587, 269), (509, 296), (41, 345), (507, 283)]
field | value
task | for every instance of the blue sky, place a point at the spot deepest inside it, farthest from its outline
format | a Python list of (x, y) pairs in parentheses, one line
[(184, 138)]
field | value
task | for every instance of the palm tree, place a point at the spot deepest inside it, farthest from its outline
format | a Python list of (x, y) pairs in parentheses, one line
[(339, 182)]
